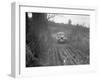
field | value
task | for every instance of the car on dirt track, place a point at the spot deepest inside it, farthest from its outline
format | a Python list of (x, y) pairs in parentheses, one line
[(60, 37)]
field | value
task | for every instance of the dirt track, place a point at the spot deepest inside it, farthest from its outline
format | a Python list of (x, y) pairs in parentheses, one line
[(64, 53)]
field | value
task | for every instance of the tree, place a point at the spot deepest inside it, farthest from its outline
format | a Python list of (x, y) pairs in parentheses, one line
[(50, 16), (69, 22), (37, 36)]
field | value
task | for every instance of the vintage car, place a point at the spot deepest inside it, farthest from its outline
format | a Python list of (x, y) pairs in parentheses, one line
[(60, 37)]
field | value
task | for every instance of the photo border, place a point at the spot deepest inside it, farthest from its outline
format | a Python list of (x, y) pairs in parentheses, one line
[(17, 68)]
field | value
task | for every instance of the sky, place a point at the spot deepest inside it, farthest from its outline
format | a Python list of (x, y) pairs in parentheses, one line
[(76, 19)]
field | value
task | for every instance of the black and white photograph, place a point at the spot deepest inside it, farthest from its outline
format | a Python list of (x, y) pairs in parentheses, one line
[(57, 39)]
